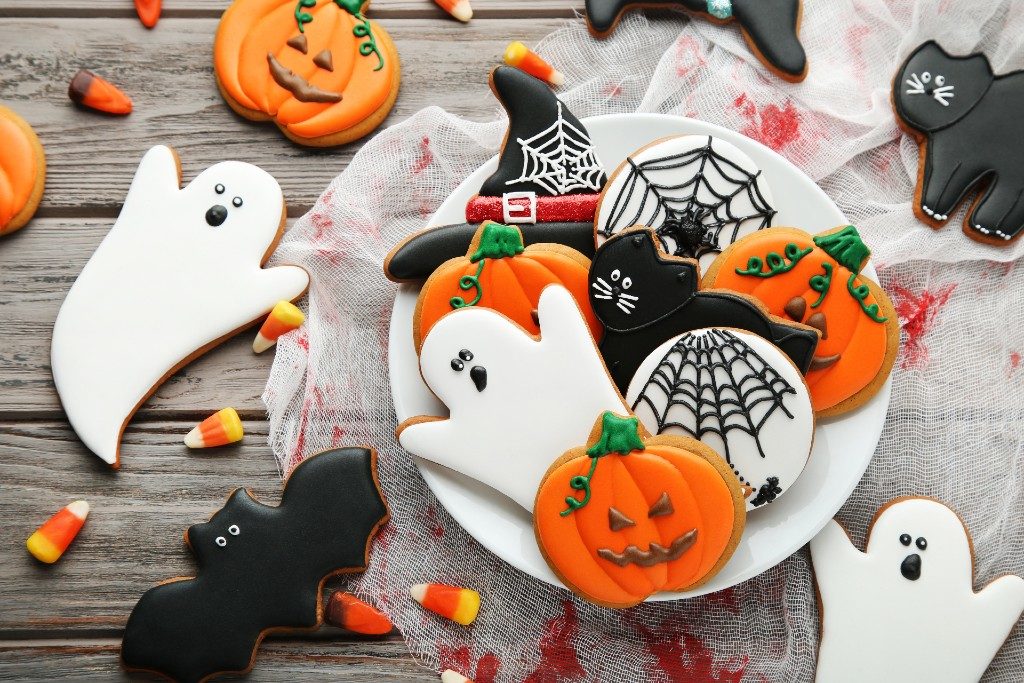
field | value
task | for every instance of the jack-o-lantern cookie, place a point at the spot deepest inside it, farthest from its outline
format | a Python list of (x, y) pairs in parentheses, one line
[(22, 171), (319, 69), (628, 516), (816, 280)]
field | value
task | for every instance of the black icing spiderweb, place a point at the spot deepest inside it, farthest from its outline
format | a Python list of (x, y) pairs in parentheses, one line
[(712, 383), (688, 199), (560, 159)]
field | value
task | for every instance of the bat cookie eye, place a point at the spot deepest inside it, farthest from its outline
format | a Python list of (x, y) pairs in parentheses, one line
[(221, 541), (236, 202), (922, 543), (234, 530), (616, 275), (457, 365), (926, 77), (466, 355), (219, 188), (940, 80), (905, 539)]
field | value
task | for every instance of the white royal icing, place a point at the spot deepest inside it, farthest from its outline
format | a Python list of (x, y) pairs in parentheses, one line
[(162, 285), (542, 397), (879, 625), (737, 393)]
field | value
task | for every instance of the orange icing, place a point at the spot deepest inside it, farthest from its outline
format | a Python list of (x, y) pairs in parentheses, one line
[(701, 500), (861, 341), (250, 29), (18, 169)]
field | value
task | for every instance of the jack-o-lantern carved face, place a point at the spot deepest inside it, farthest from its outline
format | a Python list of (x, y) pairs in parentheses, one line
[(816, 280), (663, 513), (317, 68)]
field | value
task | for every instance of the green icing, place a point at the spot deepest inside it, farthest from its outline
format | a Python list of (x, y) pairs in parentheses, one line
[(845, 247), (777, 264), (362, 28), (860, 293), (496, 241), (618, 435), (821, 284), (467, 282)]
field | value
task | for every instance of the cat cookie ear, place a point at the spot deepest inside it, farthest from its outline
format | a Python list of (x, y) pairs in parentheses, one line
[(158, 173)]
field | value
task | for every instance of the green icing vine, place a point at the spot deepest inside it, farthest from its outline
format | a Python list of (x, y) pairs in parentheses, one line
[(360, 30), (776, 264), (618, 435), (496, 241), (845, 247), (822, 283), (860, 293)]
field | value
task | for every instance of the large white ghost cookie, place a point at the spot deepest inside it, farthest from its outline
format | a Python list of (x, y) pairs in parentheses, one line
[(516, 402), (906, 609), (178, 273)]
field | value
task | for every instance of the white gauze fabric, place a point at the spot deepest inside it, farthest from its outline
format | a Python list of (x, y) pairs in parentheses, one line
[(954, 429)]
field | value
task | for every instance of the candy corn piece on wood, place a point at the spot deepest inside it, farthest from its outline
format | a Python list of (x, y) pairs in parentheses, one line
[(458, 604), (223, 427), (346, 611), (92, 91), (460, 9), (284, 317), (50, 540)]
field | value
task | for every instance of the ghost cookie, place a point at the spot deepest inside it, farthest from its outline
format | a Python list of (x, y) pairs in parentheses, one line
[(643, 296), (319, 69), (737, 393), (516, 402), (963, 117), (259, 568), (816, 280), (178, 273), (22, 171), (770, 27), (698, 193), (629, 515), (906, 610)]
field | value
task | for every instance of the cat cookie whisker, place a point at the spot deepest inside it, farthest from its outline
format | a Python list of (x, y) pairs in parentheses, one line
[(628, 296), (622, 306)]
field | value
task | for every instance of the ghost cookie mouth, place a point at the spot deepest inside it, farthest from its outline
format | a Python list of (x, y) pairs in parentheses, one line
[(656, 554), (477, 373), (911, 567), (299, 87)]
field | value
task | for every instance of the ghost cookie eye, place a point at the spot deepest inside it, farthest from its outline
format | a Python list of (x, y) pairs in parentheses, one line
[(922, 543), (458, 365), (236, 202), (905, 539)]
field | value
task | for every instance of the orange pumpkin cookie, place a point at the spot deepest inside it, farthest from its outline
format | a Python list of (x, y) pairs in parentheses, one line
[(22, 171), (816, 280), (500, 273), (631, 516), (319, 69)]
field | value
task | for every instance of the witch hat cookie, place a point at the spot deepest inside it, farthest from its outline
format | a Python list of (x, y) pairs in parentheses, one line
[(548, 181)]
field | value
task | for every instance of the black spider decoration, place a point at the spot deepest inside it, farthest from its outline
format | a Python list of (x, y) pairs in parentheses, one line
[(768, 492)]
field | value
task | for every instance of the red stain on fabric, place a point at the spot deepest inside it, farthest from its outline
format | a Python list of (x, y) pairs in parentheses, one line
[(460, 659), (559, 662), (337, 435), (612, 90), (917, 313), (688, 56), (771, 124), (1014, 361), (855, 37), (724, 599), (433, 525), (683, 657), (424, 158)]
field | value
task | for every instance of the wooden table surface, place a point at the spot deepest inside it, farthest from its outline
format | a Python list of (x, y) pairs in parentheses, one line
[(65, 621)]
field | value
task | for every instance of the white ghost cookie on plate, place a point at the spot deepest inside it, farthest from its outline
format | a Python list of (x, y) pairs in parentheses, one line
[(178, 273), (906, 610), (517, 402)]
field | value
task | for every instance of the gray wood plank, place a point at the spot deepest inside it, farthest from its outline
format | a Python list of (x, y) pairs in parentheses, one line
[(280, 660), (169, 75)]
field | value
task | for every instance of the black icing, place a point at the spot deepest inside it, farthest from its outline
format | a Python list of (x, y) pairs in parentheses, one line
[(771, 25), (911, 567), (216, 215), (268, 575), (667, 303), (478, 374), (977, 136)]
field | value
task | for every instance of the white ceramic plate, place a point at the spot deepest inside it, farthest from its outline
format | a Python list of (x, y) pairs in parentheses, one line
[(842, 447)]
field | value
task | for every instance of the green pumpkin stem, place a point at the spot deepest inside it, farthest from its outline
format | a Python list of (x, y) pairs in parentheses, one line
[(618, 435), (498, 241), (846, 247)]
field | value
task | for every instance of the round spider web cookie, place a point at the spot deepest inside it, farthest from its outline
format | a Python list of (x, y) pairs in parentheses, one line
[(699, 194), (737, 393)]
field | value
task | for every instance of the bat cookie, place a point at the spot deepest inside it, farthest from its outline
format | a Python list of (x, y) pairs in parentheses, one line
[(643, 296), (547, 181), (770, 27), (516, 401), (22, 171), (319, 69), (816, 280), (178, 273), (905, 609), (965, 120), (259, 568)]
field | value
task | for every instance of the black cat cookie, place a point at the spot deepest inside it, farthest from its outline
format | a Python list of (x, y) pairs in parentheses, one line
[(968, 123), (770, 27), (260, 568), (548, 182), (644, 297)]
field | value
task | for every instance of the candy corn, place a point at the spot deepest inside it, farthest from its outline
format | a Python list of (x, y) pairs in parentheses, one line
[(148, 11), (345, 610), (90, 90), (449, 676), (458, 604), (459, 9), (285, 317), (522, 57), (221, 428), (50, 540)]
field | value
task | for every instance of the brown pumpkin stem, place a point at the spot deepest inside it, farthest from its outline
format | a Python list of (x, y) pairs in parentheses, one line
[(498, 241), (846, 247), (618, 435)]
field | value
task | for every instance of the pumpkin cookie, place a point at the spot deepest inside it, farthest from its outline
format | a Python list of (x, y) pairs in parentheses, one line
[(816, 280), (319, 69), (22, 171)]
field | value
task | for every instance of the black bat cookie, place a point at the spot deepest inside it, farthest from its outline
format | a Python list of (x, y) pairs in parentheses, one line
[(969, 123), (770, 27), (259, 568), (548, 181), (644, 297)]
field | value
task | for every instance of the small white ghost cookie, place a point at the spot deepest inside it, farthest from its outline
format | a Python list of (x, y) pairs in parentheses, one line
[(906, 609), (516, 402), (178, 273)]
